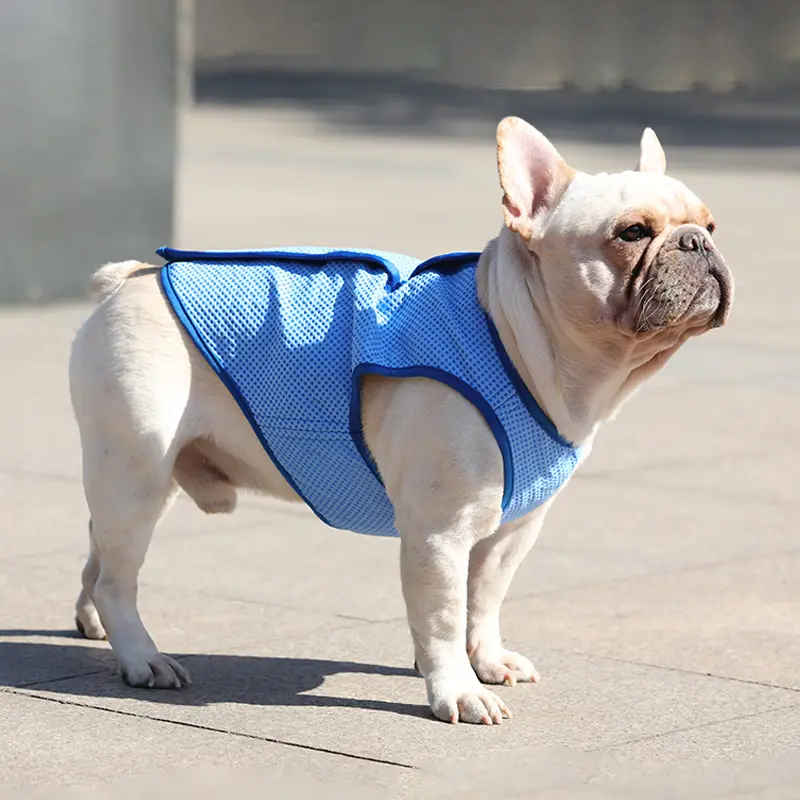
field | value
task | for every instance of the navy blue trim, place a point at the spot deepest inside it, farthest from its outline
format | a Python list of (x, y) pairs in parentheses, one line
[(227, 380), (447, 262), (528, 400), (464, 389), (171, 254)]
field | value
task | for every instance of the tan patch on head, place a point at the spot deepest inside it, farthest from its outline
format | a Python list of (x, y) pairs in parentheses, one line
[(623, 255), (700, 215), (660, 220), (688, 210)]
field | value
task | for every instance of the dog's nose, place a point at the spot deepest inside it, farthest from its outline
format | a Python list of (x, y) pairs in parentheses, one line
[(692, 241)]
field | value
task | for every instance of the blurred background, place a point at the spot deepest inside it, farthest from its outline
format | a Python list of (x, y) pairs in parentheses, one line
[(249, 123)]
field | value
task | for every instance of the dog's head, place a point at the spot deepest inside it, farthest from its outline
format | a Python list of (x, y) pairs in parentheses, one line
[(622, 258)]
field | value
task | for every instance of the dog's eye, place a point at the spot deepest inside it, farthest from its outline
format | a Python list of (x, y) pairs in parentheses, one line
[(711, 227), (634, 233)]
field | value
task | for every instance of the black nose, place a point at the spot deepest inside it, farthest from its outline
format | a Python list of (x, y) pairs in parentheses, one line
[(692, 241)]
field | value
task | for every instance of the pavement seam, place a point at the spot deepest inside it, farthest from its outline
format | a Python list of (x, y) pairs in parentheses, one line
[(264, 603), (170, 588), (581, 653), (699, 726), (603, 474), (647, 574), (294, 510), (511, 599), (528, 596), (711, 493), (47, 681), (668, 464), (209, 729), (681, 670)]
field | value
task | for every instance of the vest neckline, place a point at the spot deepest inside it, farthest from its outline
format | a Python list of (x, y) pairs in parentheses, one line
[(528, 400)]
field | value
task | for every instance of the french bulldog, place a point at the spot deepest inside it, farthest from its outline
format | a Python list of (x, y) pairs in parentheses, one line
[(593, 282)]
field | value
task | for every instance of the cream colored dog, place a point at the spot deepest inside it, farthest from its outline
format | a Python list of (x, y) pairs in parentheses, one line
[(593, 283)]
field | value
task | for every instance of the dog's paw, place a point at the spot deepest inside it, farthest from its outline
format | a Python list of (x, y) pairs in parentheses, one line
[(87, 621), (503, 666), (156, 672), (464, 699)]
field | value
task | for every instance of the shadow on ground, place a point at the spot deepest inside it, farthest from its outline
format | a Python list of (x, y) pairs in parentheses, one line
[(378, 103), (89, 670)]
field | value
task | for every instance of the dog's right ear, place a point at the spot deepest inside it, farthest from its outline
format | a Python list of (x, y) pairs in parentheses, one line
[(533, 175)]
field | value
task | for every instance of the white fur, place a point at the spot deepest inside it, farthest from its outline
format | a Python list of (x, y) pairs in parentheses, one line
[(109, 278), (154, 418)]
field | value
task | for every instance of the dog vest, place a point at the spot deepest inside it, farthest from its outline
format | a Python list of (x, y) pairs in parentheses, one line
[(291, 332)]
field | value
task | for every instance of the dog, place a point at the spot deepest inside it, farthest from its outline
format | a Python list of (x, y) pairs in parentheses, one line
[(593, 282)]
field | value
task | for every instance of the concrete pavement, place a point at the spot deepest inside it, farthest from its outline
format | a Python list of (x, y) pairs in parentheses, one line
[(661, 604)]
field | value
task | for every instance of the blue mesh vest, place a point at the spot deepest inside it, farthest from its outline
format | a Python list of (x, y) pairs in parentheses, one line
[(290, 332)]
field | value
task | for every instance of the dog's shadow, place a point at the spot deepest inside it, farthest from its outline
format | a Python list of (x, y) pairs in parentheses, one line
[(89, 670)]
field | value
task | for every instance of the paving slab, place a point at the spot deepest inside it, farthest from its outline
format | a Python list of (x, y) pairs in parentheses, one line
[(45, 743), (47, 515), (291, 561), (329, 571), (627, 528), (42, 515), (735, 743), (237, 557), (738, 620), (750, 481), (681, 418), (561, 773), (38, 641), (541, 772), (353, 691)]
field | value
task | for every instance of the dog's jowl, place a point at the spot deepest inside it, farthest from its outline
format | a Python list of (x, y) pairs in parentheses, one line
[(447, 401)]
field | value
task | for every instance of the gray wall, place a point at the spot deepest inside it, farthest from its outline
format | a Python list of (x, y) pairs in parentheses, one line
[(515, 44), (87, 153)]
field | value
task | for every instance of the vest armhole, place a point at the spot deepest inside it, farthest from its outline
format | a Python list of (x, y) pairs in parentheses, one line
[(464, 389)]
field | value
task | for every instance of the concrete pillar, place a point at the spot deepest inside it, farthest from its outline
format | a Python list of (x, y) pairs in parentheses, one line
[(87, 151)]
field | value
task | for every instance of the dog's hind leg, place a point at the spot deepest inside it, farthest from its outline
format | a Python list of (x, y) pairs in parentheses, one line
[(126, 497), (130, 382), (87, 620)]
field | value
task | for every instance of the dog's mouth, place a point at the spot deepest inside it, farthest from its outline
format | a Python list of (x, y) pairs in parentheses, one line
[(725, 289), (678, 291), (714, 296)]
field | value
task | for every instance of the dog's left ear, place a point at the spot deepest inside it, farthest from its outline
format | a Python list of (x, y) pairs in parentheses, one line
[(652, 157), (533, 175)]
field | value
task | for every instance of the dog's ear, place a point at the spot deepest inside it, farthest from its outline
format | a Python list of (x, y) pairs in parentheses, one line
[(652, 157), (533, 175)]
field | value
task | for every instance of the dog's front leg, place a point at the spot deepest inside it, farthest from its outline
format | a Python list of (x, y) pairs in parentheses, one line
[(434, 568), (493, 562), (443, 472)]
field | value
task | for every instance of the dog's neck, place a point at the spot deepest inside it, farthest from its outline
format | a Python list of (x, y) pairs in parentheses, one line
[(578, 386)]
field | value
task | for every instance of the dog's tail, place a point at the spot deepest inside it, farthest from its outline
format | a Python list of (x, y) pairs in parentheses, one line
[(110, 277)]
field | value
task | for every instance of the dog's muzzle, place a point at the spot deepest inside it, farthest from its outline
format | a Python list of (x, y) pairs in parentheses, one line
[(687, 283)]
